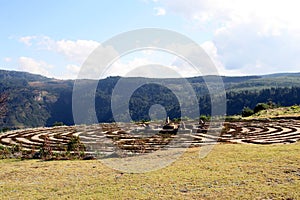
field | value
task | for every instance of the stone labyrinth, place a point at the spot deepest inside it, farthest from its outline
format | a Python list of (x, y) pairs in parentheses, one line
[(105, 139)]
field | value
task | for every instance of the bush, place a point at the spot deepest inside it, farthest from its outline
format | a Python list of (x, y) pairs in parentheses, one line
[(58, 124), (260, 106), (5, 129), (76, 146), (46, 150), (295, 107), (205, 118), (5, 152), (246, 112)]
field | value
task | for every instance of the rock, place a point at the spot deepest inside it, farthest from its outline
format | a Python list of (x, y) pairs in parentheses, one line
[(37, 155), (290, 140), (89, 157), (183, 190)]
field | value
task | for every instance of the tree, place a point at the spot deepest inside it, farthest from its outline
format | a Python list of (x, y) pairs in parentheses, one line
[(247, 112), (58, 124), (3, 107), (260, 106)]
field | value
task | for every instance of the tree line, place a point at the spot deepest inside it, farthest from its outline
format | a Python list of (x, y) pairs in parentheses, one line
[(30, 101)]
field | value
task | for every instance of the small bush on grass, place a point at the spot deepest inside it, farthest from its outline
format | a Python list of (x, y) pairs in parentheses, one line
[(246, 112), (5, 152), (58, 124), (46, 150), (5, 129), (260, 106), (76, 146), (205, 118)]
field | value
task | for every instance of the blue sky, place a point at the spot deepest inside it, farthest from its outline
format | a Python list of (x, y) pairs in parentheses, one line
[(54, 38)]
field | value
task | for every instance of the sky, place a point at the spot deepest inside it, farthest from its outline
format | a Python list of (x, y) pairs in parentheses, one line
[(241, 37)]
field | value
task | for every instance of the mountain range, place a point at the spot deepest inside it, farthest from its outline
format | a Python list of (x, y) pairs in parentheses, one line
[(35, 100)]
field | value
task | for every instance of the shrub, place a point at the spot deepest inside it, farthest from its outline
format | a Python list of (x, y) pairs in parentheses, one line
[(260, 106), (177, 120), (246, 112), (76, 146), (295, 107), (46, 150), (58, 124), (5, 129), (5, 152), (204, 118)]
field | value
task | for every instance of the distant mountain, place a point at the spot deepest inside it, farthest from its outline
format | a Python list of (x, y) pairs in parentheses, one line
[(281, 75), (36, 100), (6, 75)]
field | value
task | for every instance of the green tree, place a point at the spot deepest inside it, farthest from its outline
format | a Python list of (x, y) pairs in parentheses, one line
[(260, 106), (58, 124), (246, 112), (205, 118), (3, 107)]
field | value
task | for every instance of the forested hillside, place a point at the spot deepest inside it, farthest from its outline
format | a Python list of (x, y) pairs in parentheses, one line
[(34, 100)]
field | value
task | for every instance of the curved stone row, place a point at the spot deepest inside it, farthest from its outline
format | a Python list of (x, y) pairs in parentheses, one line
[(262, 132), (140, 138), (34, 139)]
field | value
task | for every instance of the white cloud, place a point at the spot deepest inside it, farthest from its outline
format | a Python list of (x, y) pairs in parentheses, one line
[(77, 50), (73, 50), (249, 36), (275, 14), (125, 68), (159, 11), (7, 59), (73, 68), (71, 72), (242, 47), (145, 63), (212, 51), (154, 64), (34, 66), (144, 67), (27, 40)]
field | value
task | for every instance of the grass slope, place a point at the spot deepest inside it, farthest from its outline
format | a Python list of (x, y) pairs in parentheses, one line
[(228, 172), (281, 112)]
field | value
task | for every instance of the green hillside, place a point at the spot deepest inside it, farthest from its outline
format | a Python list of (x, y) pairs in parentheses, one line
[(281, 112), (36, 101)]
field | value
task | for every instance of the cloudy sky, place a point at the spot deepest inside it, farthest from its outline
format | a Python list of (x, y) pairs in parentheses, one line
[(242, 37)]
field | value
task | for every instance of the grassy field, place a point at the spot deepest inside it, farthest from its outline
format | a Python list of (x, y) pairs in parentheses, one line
[(230, 171), (281, 112)]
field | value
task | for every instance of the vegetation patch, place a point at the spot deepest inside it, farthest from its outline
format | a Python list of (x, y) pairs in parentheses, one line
[(279, 112), (228, 172)]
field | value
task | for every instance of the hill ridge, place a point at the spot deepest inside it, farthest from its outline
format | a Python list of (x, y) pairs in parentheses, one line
[(35, 100)]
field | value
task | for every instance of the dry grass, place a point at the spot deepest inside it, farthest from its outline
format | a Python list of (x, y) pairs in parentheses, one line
[(228, 172), (281, 112)]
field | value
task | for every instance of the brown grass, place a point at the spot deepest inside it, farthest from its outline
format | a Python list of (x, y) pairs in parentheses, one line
[(228, 172), (281, 112)]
